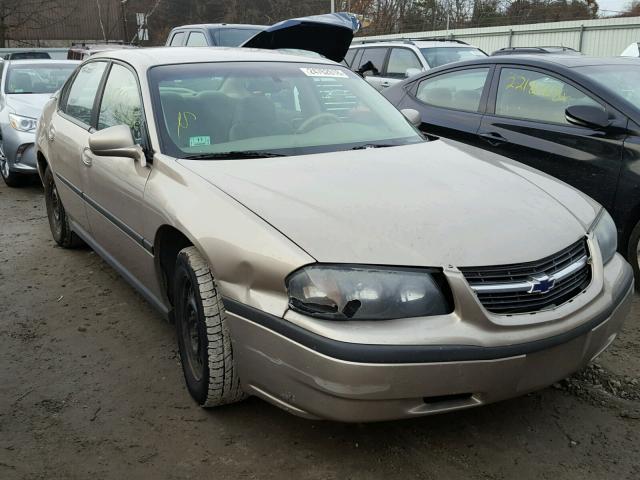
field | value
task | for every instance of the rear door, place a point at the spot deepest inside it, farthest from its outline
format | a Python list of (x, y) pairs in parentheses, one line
[(527, 123), (451, 103), (69, 132)]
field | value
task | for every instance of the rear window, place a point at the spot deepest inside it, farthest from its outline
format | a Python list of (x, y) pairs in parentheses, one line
[(233, 37)]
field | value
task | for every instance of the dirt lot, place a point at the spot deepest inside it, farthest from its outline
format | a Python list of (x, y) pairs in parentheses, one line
[(91, 387)]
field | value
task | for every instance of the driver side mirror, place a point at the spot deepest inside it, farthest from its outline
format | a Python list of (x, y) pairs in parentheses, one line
[(413, 116), (587, 116), (116, 142), (411, 72)]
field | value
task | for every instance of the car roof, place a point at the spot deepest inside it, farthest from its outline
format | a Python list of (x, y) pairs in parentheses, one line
[(547, 60), (38, 61), (416, 43), (244, 26), (144, 58)]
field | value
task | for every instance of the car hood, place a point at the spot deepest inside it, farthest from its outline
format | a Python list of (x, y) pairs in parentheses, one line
[(28, 105), (329, 35), (431, 204)]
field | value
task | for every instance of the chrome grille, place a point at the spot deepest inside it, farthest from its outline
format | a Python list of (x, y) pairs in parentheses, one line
[(508, 289)]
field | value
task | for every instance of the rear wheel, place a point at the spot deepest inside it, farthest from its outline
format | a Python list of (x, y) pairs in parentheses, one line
[(204, 339), (58, 220), (12, 179)]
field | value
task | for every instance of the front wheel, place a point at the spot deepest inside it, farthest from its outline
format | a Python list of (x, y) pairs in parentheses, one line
[(204, 339)]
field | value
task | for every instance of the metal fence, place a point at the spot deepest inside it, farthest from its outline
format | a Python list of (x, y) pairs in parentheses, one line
[(603, 37)]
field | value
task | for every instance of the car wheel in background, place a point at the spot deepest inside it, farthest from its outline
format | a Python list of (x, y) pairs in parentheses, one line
[(204, 340), (633, 253), (12, 179), (58, 220)]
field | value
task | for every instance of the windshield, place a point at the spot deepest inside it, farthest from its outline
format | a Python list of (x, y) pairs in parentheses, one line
[(234, 37), (621, 81), (37, 78), (437, 56), (277, 108)]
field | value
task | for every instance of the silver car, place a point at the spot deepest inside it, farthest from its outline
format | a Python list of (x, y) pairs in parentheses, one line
[(312, 248), (25, 86)]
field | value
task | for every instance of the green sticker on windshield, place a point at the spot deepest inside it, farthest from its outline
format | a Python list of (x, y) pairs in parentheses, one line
[(199, 141)]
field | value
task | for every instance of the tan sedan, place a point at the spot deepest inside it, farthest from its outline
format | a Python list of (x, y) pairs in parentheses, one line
[(312, 248)]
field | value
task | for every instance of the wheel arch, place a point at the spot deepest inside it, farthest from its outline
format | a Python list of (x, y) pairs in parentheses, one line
[(42, 164), (167, 244)]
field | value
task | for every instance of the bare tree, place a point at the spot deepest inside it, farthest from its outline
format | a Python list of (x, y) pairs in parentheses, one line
[(30, 14)]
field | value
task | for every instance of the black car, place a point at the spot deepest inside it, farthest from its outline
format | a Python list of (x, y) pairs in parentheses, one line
[(574, 117), (536, 51)]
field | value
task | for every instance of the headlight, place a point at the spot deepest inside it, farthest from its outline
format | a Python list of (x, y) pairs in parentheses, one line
[(337, 292), (605, 231), (22, 124)]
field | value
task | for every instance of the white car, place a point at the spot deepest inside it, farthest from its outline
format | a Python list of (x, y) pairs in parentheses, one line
[(384, 63)]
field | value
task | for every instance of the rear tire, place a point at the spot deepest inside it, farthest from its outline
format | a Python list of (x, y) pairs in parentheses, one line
[(58, 220), (204, 339)]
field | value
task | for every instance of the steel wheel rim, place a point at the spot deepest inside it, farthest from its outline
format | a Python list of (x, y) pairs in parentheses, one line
[(191, 336)]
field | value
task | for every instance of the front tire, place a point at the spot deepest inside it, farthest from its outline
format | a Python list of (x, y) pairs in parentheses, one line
[(58, 220), (204, 339)]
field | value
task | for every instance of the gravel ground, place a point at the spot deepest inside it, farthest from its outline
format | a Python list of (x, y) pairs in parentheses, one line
[(91, 387)]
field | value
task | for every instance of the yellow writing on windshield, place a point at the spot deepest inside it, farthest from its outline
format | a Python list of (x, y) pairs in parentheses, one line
[(183, 120)]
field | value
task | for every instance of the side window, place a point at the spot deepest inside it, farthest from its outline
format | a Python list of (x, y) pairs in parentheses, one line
[(197, 39), (536, 96), (460, 90), (121, 103), (82, 93), (376, 57), (356, 59), (177, 39), (348, 58), (400, 60)]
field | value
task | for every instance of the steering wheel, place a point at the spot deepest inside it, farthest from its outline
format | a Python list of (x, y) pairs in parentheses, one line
[(320, 119)]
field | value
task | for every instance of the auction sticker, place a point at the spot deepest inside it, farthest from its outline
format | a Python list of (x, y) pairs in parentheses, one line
[(324, 72)]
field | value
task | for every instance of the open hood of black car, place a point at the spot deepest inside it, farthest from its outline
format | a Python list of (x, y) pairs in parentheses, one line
[(328, 35)]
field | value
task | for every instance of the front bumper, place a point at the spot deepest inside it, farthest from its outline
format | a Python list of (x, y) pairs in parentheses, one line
[(20, 150), (315, 377)]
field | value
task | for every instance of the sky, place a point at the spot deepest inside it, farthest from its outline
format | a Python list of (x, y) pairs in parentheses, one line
[(612, 5)]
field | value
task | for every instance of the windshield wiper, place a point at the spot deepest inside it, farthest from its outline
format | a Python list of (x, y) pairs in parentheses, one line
[(233, 155), (373, 145)]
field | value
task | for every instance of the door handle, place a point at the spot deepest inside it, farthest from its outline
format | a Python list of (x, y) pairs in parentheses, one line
[(86, 158), (493, 138), (385, 84)]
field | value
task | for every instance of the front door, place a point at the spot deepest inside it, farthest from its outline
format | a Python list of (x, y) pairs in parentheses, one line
[(528, 124), (115, 188)]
